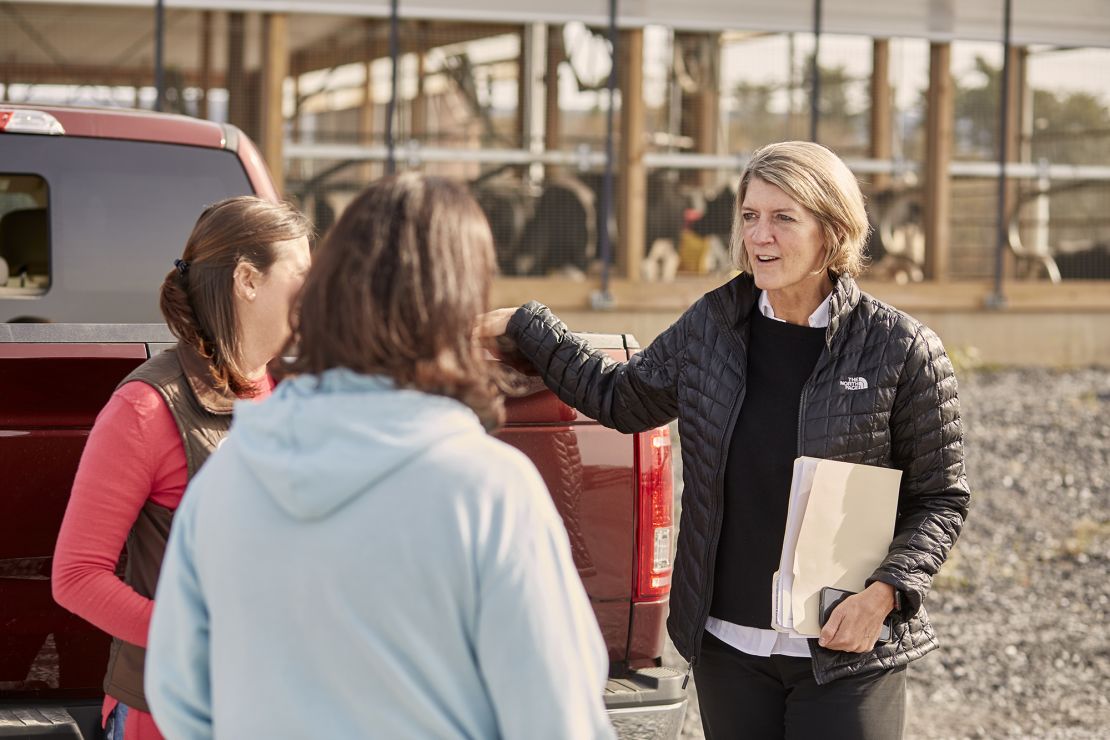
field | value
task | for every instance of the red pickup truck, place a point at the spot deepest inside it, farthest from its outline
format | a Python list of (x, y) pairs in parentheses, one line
[(102, 202)]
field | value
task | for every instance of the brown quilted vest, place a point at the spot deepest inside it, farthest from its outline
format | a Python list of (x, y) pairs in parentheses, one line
[(203, 415)]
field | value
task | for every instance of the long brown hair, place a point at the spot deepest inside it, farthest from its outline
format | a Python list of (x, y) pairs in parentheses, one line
[(197, 298), (396, 287)]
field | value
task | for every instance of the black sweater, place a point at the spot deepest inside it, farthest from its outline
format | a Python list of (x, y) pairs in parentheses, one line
[(759, 468)]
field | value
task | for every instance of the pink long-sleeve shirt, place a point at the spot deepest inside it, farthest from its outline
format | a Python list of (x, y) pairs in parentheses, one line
[(133, 455)]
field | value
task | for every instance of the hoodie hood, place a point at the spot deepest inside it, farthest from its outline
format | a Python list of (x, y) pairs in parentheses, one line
[(321, 440)]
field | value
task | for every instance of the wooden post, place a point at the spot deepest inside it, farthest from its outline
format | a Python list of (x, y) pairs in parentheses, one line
[(531, 105), (881, 114), (275, 67), (701, 110), (420, 102), (632, 184), (296, 166), (1015, 126), (295, 124), (709, 105), (366, 111), (237, 104), (938, 154), (523, 97), (205, 62), (556, 55)]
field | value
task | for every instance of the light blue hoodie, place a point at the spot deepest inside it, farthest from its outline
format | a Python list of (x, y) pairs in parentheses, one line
[(358, 561)]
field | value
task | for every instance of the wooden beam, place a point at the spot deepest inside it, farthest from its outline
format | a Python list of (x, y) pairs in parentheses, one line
[(556, 54), (92, 74), (1019, 57), (938, 154), (419, 111), (366, 110), (632, 182), (238, 102), (1015, 126), (205, 62), (1042, 324), (701, 109), (1022, 296), (523, 96), (881, 145), (275, 67), (531, 106), (341, 48), (296, 122), (296, 167), (708, 105)]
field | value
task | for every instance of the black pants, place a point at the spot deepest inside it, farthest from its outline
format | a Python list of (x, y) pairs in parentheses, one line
[(746, 696)]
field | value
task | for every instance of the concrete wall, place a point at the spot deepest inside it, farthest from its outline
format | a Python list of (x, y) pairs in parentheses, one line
[(1041, 325)]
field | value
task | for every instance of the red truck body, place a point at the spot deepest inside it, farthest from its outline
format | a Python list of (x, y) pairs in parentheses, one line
[(613, 490)]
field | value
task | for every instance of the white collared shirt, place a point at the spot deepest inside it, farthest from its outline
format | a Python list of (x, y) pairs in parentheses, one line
[(752, 640), (819, 319)]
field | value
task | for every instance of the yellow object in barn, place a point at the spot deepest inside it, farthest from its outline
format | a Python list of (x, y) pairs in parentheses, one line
[(693, 253)]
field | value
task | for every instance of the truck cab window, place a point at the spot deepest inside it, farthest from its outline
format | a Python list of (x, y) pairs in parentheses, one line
[(24, 236)]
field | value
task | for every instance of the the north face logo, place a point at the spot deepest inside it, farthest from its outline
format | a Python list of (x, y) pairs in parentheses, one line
[(854, 384)]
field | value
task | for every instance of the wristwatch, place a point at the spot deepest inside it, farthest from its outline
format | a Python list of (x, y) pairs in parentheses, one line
[(897, 600)]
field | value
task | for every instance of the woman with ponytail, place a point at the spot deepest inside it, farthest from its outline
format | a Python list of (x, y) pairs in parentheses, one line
[(228, 301), (401, 573)]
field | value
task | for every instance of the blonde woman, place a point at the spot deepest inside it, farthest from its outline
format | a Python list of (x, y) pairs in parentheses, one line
[(789, 358)]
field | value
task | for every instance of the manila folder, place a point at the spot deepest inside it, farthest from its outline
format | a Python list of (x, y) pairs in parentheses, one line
[(845, 534)]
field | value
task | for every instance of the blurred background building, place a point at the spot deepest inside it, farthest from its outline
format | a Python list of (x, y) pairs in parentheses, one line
[(533, 103)]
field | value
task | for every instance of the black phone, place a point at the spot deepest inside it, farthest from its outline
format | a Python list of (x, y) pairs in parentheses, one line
[(831, 597)]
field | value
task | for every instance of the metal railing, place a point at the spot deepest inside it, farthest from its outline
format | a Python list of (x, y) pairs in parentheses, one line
[(585, 158)]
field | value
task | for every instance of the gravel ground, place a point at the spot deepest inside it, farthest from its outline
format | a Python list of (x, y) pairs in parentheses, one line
[(1021, 605)]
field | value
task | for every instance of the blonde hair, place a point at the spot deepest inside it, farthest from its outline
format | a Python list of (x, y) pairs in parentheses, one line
[(820, 182)]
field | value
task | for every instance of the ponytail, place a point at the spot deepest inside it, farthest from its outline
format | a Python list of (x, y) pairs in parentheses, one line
[(178, 312), (197, 296)]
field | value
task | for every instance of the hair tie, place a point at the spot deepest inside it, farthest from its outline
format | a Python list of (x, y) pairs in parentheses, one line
[(181, 265)]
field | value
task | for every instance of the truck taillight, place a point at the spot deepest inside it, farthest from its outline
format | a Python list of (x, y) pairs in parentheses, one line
[(654, 514), (19, 121)]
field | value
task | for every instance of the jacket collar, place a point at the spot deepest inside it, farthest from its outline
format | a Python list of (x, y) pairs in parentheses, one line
[(198, 371), (845, 298), (739, 296)]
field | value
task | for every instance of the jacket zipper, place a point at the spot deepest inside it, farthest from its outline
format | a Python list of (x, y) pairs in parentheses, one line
[(822, 360), (826, 355), (718, 516), (711, 556), (718, 489), (801, 413), (689, 668)]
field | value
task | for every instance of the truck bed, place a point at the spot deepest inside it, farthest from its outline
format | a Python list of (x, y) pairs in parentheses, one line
[(55, 378)]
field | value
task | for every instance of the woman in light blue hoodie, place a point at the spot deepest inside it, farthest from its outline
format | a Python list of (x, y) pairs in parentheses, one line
[(360, 558)]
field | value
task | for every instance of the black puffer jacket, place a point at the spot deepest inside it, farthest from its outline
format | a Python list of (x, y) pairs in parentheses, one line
[(882, 393)]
